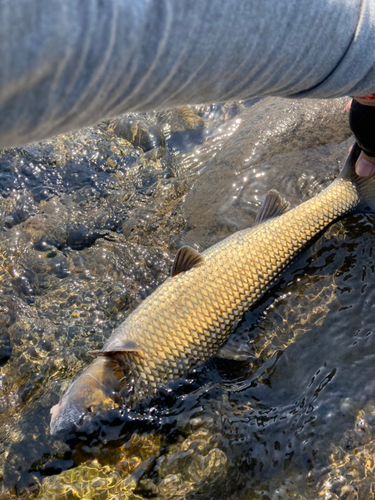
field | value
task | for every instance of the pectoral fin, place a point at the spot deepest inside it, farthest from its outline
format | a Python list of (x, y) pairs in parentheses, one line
[(126, 347), (272, 206), (231, 352)]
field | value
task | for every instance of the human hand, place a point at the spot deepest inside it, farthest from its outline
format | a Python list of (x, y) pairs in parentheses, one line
[(362, 123)]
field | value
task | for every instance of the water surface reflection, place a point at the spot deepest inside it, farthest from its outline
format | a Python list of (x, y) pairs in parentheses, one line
[(90, 223)]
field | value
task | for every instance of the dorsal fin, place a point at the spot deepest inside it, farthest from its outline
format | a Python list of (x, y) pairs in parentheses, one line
[(186, 258), (126, 347), (272, 206)]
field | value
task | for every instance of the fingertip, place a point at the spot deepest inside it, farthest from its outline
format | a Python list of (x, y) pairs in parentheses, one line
[(364, 168)]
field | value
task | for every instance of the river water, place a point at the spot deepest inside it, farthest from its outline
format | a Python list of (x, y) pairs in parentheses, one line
[(90, 222)]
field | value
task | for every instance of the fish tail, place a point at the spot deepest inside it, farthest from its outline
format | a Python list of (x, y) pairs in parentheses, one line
[(365, 185)]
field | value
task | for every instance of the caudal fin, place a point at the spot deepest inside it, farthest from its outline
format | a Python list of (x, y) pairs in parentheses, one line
[(365, 185)]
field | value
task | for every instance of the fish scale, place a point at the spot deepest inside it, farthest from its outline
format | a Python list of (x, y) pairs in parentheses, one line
[(188, 318), (191, 315)]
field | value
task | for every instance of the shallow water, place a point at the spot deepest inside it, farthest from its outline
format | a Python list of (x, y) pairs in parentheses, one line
[(90, 223)]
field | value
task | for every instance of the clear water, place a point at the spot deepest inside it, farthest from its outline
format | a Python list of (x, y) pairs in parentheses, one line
[(89, 227)]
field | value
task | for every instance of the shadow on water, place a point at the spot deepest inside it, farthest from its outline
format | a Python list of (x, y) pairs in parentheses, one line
[(89, 227)]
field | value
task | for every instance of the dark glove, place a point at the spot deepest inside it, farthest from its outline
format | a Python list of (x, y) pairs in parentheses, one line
[(362, 124)]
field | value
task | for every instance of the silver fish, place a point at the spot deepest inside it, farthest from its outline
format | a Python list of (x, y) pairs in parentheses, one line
[(189, 317)]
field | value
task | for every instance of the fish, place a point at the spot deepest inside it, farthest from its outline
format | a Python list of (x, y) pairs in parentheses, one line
[(188, 318)]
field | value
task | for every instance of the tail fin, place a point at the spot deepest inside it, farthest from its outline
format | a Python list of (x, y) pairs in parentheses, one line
[(365, 185)]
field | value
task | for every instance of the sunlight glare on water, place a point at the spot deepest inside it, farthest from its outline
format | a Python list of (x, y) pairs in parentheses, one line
[(90, 225)]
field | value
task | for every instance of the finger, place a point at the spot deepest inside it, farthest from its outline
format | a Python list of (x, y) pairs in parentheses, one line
[(367, 100), (365, 165), (347, 107)]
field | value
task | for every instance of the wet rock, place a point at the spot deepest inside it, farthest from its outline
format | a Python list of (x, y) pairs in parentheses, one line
[(173, 486), (91, 482), (209, 466), (84, 237), (94, 480), (183, 127), (140, 134), (350, 474), (5, 347), (180, 119), (190, 464)]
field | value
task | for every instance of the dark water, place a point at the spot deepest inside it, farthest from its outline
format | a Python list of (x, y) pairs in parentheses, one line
[(89, 227)]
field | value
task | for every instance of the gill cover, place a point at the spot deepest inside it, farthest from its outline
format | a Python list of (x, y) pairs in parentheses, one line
[(95, 389)]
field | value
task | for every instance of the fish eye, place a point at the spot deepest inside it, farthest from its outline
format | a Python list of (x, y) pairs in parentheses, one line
[(90, 409)]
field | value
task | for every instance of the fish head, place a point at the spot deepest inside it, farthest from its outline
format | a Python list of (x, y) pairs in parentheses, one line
[(94, 390)]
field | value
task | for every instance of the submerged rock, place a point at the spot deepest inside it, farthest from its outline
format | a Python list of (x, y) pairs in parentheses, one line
[(5, 348), (95, 479), (140, 134), (274, 143)]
